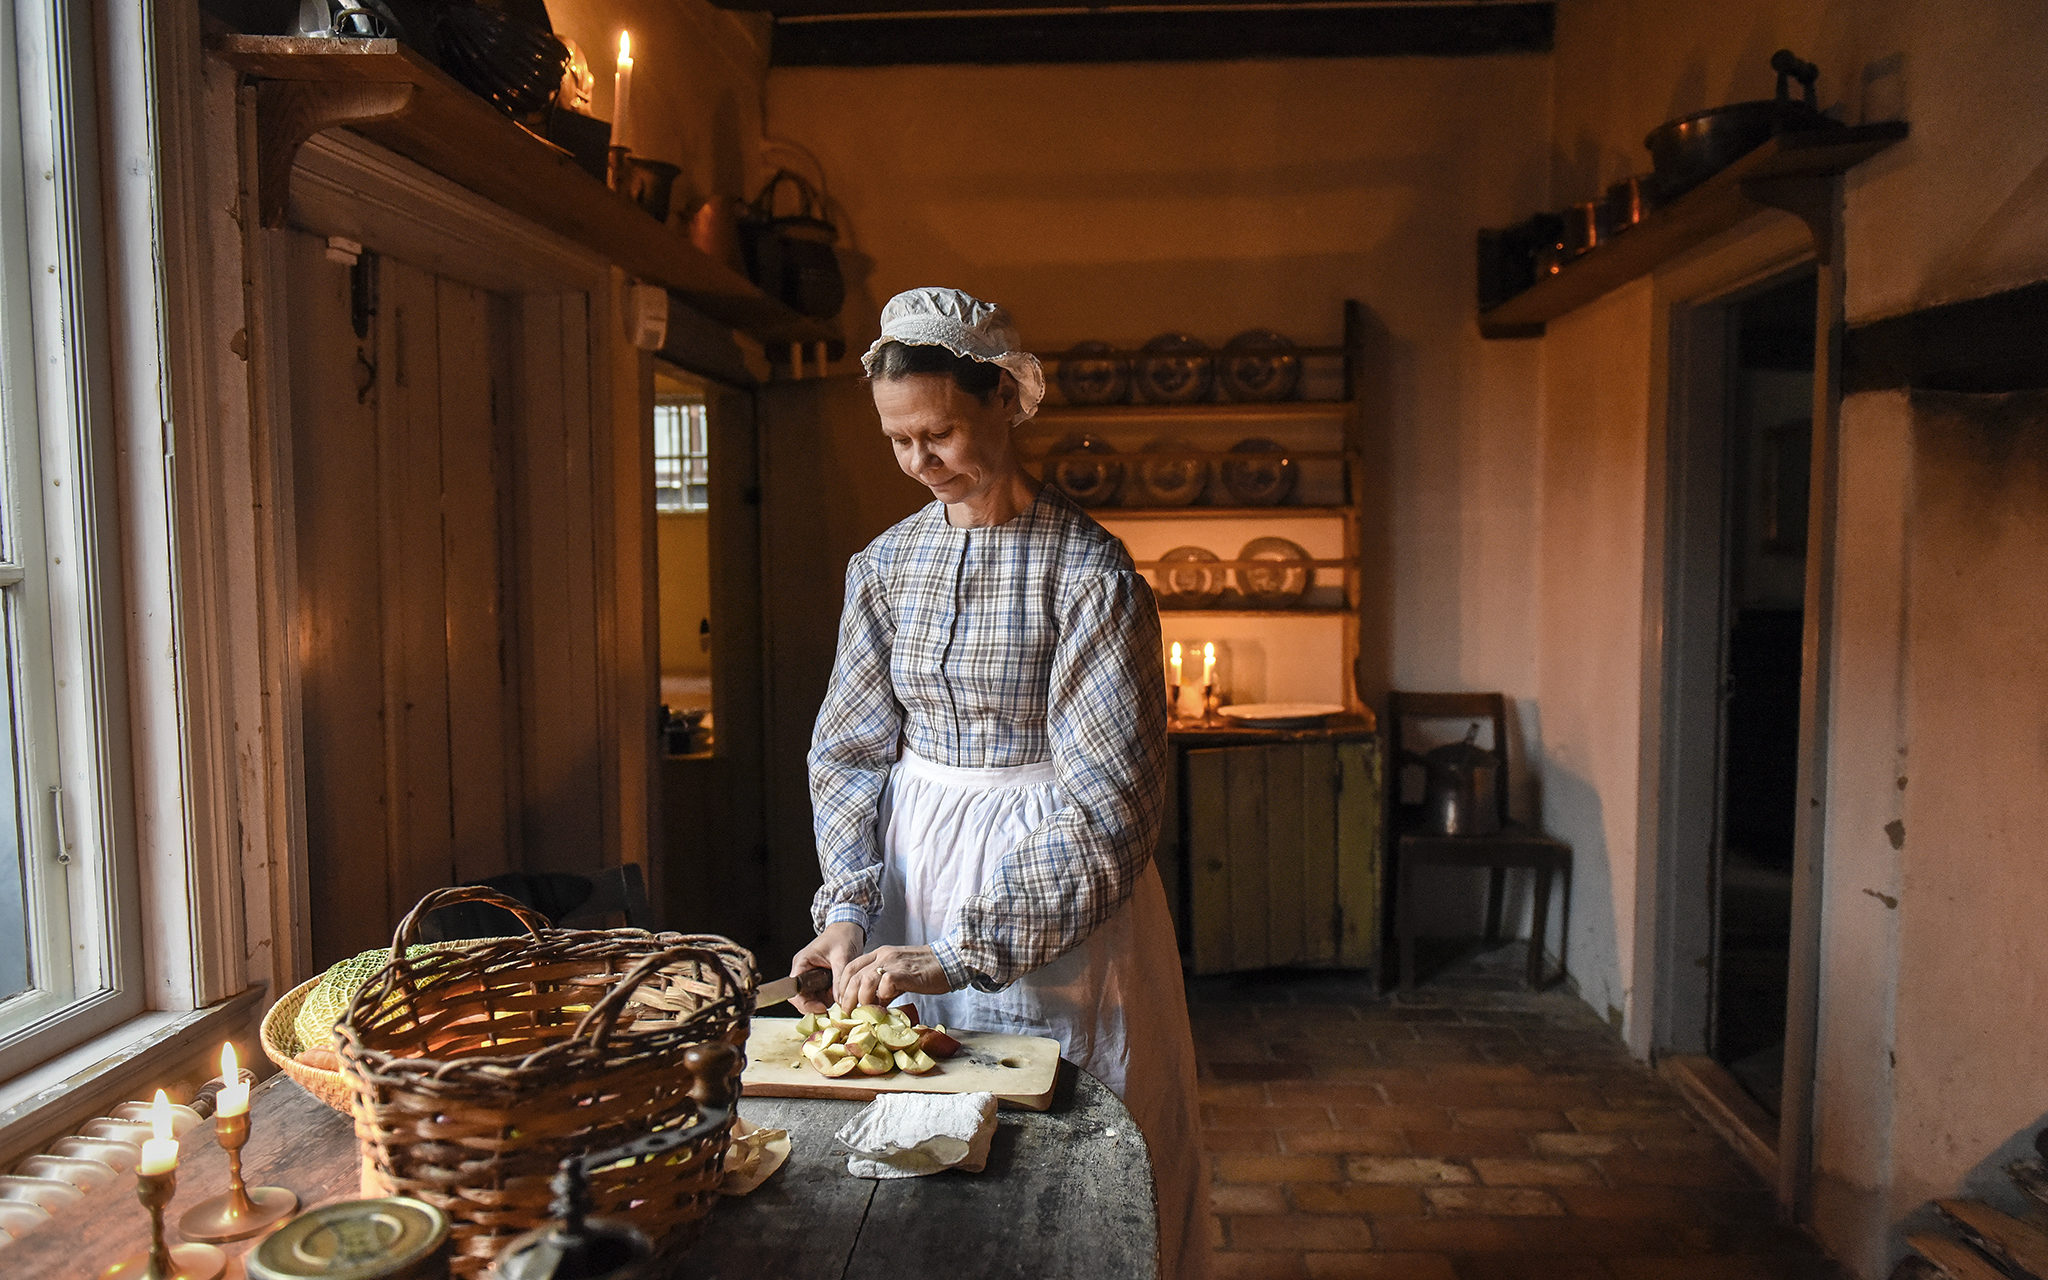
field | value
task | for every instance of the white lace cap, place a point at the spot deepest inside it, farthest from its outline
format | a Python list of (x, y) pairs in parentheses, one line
[(966, 326)]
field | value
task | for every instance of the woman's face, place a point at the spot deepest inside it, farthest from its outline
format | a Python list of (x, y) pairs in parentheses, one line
[(944, 438)]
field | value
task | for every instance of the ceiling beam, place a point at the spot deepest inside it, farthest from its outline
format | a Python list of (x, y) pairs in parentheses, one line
[(1432, 29)]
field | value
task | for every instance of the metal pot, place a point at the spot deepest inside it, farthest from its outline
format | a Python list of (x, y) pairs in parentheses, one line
[(1687, 151), (1458, 797)]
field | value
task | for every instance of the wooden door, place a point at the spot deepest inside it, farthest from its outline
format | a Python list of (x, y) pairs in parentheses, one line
[(447, 483), (1283, 856)]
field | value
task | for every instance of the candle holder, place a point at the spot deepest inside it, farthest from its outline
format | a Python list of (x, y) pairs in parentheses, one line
[(165, 1261), (240, 1212)]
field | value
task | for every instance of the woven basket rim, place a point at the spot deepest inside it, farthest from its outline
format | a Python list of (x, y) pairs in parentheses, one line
[(709, 1022)]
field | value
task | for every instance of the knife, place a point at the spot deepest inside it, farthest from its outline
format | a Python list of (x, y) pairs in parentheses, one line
[(810, 982)]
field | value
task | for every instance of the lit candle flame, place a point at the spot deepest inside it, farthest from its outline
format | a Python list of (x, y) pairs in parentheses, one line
[(625, 48)]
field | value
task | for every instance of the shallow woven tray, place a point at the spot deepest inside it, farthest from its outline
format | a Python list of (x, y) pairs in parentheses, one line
[(281, 1045)]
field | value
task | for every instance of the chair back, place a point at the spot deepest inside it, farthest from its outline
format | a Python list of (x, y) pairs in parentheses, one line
[(1488, 707)]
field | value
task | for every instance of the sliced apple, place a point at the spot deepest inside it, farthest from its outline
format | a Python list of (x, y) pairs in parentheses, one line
[(837, 1013), (899, 1037), (871, 1013), (878, 1063), (834, 1070), (807, 1024), (825, 1035), (915, 1061), (904, 1015), (938, 1044)]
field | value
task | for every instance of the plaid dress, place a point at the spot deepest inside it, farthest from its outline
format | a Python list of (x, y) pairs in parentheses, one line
[(988, 648)]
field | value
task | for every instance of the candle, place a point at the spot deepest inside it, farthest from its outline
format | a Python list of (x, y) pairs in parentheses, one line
[(622, 89), (1176, 663), (159, 1154), (1208, 664), (234, 1095)]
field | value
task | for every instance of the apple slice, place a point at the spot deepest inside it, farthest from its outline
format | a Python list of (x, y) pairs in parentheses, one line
[(899, 1037), (837, 1013), (834, 1070), (938, 1044), (871, 1013), (916, 1061), (878, 1063), (824, 1036), (861, 1039), (906, 1012), (807, 1024)]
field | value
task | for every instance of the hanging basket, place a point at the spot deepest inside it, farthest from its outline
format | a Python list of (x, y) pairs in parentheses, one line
[(475, 1071)]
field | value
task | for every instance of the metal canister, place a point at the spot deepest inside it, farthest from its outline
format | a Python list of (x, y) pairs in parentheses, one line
[(394, 1238)]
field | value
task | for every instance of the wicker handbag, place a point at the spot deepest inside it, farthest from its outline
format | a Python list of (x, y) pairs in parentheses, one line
[(476, 1071)]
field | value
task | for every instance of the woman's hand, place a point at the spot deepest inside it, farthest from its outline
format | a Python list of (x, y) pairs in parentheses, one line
[(835, 949), (887, 972)]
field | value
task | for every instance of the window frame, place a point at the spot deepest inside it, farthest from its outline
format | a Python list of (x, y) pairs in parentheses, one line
[(55, 192)]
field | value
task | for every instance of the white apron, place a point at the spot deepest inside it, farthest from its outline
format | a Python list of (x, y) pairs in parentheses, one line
[(1114, 1003)]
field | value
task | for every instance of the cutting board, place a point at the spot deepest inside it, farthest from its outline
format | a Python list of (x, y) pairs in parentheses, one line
[(1017, 1069)]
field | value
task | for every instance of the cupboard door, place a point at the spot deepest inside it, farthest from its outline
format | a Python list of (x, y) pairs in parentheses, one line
[(1283, 859), (1359, 852)]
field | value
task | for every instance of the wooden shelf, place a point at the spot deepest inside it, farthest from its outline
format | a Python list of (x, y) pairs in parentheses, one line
[(395, 98), (1216, 513), (1760, 180)]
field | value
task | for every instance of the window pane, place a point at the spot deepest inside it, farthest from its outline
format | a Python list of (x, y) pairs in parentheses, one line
[(14, 947)]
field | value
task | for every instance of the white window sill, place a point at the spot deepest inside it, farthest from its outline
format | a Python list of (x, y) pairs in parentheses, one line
[(40, 1106)]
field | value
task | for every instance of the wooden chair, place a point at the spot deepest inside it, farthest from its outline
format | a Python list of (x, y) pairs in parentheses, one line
[(1514, 846)]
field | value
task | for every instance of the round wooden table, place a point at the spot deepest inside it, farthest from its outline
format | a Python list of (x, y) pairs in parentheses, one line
[(1067, 1194)]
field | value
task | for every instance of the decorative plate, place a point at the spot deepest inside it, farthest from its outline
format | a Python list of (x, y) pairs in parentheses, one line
[(1282, 582), (1266, 476), (1189, 577), (1169, 478), (1074, 469), (1281, 715), (1259, 364), (1088, 374), (1175, 369)]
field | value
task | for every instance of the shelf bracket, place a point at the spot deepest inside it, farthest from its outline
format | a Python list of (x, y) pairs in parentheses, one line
[(1809, 197), (288, 115)]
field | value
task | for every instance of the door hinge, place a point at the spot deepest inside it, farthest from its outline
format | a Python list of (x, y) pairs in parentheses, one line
[(62, 832)]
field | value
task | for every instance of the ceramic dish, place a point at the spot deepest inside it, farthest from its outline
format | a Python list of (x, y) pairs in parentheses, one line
[(47, 1194), (1264, 478), (1089, 375), (1259, 365), (1189, 578), (1167, 480), (1075, 466), (1281, 715), (1283, 581), (1175, 369), (18, 1218), (83, 1174)]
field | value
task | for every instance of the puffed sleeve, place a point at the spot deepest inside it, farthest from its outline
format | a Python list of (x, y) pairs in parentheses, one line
[(1106, 719), (852, 748)]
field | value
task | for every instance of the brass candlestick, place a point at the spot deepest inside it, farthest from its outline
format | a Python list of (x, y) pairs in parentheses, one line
[(240, 1212), (164, 1261)]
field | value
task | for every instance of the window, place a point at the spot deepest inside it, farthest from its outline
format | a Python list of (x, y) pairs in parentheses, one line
[(681, 452), (69, 935)]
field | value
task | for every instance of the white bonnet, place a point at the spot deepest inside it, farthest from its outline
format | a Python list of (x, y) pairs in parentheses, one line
[(966, 326)]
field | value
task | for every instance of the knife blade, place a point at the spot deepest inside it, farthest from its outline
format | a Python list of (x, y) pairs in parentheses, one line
[(810, 982)]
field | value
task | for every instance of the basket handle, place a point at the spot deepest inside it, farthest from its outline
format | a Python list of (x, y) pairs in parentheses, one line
[(604, 1015), (408, 932)]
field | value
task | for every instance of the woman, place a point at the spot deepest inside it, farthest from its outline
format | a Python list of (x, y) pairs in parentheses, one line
[(988, 768)]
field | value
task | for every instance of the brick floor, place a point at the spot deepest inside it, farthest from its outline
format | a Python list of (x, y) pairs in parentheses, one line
[(1469, 1130)]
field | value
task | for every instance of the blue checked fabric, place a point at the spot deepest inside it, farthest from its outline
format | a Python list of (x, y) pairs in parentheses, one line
[(981, 648)]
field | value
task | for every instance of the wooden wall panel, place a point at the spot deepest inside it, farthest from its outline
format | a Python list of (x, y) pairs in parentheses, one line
[(420, 843), (339, 610), (1286, 904), (1359, 854), (1318, 855), (1209, 866), (482, 696)]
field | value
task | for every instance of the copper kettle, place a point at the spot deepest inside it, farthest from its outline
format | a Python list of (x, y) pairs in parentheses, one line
[(1458, 790)]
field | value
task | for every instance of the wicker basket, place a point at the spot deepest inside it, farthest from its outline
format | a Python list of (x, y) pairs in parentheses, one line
[(475, 1072), (281, 1045)]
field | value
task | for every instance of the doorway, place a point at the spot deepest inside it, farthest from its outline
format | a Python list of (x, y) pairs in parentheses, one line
[(1738, 474)]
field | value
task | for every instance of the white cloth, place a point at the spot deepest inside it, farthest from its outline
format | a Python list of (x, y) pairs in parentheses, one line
[(966, 326), (907, 1135), (944, 830)]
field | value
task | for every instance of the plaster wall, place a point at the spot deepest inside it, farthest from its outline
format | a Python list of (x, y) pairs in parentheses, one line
[(1958, 209), (1928, 966), (683, 555), (1596, 408)]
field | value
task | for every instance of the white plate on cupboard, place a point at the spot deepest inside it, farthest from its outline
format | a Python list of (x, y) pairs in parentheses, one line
[(1281, 715)]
